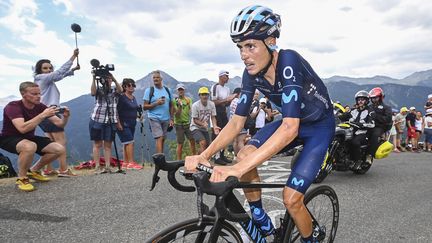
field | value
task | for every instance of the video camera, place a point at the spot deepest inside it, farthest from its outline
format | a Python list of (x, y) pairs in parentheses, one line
[(100, 71)]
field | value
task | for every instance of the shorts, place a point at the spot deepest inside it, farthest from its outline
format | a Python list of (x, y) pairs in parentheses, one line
[(101, 131), (47, 126), (411, 133), (315, 137), (9, 143), (126, 135), (158, 128), (428, 135), (200, 135), (181, 131)]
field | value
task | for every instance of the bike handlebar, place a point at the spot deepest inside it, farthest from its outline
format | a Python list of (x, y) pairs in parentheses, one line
[(203, 185), (171, 168)]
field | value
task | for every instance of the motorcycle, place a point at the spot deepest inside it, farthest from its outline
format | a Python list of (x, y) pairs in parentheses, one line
[(338, 154)]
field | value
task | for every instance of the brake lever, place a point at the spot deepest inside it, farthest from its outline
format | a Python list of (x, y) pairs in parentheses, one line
[(155, 178)]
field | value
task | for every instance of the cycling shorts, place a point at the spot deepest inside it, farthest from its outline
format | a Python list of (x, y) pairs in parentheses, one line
[(315, 137)]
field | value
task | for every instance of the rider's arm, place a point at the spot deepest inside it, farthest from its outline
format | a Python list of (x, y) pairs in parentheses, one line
[(284, 135)]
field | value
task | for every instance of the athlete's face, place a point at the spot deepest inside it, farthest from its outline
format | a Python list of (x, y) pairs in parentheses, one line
[(254, 55)]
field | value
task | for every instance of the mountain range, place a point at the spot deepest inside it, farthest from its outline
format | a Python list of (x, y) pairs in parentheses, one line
[(409, 91)]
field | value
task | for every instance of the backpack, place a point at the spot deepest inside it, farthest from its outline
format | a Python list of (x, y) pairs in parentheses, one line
[(6, 169), (152, 89)]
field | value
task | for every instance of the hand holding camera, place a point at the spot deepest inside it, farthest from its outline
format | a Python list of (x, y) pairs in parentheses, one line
[(160, 101)]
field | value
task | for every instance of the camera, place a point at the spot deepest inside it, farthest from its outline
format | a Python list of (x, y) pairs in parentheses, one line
[(61, 110), (101, 71)]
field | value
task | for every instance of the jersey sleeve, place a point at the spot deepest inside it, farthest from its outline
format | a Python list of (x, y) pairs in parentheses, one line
[(292, 81), (13, 111), (246, 95)]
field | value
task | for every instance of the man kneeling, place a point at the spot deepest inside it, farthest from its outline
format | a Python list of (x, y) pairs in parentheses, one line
[(20, 119)]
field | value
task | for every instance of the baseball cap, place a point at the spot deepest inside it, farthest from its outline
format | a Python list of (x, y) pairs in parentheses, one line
[(428, 112), (403, 109), (203, 90), (223, 72), (412, 108), (429, 96), (180, 86), (263, 100)]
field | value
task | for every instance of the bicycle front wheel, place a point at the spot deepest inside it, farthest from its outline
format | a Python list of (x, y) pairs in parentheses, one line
[(323, 204), (189, 231)]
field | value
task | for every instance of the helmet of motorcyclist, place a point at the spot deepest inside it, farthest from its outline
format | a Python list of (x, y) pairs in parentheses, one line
[(362, 94), (376, 92), (255, 22)]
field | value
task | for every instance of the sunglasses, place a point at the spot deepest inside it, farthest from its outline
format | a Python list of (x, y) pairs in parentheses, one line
[(131, 85)]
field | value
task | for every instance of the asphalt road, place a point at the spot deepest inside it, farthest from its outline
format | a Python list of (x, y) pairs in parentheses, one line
[(391, 203)]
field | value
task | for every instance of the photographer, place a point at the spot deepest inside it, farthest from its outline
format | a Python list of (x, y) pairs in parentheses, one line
[(46, 78), (104, 118), (261, 113)]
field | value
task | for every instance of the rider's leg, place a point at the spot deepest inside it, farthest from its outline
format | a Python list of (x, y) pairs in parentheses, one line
[(293, 201), (252, 194)]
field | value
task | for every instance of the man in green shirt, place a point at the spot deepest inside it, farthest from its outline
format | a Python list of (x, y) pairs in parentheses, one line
[(182, 107)]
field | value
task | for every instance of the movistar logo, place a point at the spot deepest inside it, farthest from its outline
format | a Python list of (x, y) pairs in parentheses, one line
[(297, 182), (242, 99), (287, 99)]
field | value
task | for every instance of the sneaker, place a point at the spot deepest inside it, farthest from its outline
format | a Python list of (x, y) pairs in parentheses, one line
[(220, 161), (47, 172), (67, 173), (124, 165), (36, 175), (24, 184), (134, 166)]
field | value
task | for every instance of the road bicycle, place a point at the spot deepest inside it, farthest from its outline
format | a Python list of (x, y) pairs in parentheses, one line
[(220, 223)]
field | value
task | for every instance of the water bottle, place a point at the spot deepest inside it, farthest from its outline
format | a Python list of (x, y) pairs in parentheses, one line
[(263, 221)]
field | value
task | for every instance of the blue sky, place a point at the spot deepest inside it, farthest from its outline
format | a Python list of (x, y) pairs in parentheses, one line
[(190, 39)]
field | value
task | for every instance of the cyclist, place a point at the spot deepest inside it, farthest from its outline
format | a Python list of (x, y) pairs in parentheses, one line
[(361, 118), (289, 82)]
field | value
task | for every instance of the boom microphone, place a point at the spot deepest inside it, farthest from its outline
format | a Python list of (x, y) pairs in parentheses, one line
[(95, 63)]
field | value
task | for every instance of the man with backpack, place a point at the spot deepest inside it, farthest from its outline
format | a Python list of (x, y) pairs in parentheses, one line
[(158, 103)]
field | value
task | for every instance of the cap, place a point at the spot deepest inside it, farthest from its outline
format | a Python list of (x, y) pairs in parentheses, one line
[(237, 91), (429, 96), (203, 90), (223, 72), (404, 109), (428, 112), (412, 108), (180, 86), (263, 100)]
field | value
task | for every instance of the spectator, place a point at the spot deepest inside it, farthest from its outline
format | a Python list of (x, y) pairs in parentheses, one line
[(428, 130), (222, 98), (182, 109), (262, 113), (393, 132), (46, 78), (410, 121), (271, 113), (428, 103), (158, 103), (419, 124), (203, 111), (104, 119), (400, 125), (20, 119), (240, 140), (382, 116), (254, 106), (127, 108)]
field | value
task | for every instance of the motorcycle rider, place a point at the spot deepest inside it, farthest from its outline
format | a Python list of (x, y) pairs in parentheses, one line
[(360, 118), (382, 116)]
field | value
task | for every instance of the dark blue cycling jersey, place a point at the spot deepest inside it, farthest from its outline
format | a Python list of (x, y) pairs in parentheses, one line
[(298, 92)]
